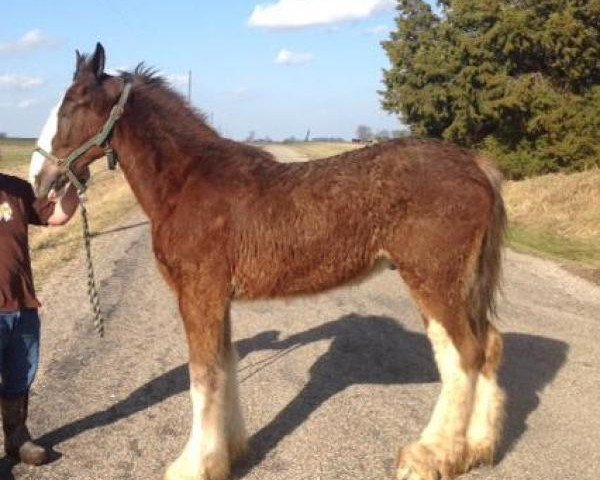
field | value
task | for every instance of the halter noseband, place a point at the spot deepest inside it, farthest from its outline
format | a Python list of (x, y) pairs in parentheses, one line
[(99, 140)]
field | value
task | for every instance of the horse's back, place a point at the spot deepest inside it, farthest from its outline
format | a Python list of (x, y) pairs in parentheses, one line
[(315, 225)]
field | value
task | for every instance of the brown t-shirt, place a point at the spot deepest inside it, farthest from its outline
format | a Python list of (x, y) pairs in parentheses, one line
[(18, 209)]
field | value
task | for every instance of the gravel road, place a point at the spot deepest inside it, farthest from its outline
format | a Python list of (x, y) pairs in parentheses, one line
[(331, 385)]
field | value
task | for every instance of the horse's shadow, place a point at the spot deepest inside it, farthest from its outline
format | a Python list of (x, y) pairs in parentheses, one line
[(363, 350)]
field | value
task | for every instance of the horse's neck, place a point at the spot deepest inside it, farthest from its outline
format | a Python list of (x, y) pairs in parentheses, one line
[(156, 175)]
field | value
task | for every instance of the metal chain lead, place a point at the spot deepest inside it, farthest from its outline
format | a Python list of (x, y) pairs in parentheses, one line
[(92, 290)]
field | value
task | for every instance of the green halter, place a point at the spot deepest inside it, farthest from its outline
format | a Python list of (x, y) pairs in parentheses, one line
[(99, 140)]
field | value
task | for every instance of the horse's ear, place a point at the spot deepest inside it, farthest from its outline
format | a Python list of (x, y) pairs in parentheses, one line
[(98, 60), (79, 63)]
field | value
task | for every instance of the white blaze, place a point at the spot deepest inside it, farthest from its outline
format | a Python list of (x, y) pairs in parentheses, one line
[(45, 142)]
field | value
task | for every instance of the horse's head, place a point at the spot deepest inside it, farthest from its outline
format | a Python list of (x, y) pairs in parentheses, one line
[(81, 115)]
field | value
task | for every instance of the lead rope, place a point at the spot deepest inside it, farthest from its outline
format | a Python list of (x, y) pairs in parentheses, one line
[(92, 290)]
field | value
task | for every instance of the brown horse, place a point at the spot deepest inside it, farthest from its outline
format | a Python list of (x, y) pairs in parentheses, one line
[(230, 222)]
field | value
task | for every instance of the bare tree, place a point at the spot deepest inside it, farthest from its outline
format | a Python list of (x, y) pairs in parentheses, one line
[(364, 133)]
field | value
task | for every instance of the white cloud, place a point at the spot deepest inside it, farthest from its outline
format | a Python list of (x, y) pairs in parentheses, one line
[(287, 14), (32, 40), (176, 79), (20, 82), (378, 30), (28, 102), (287, 57), (22, 104), (116, 71)]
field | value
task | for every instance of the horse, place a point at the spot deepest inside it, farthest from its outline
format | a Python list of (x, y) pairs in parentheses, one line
[(229, 222)]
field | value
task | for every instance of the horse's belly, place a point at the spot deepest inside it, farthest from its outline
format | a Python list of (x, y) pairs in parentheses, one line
[(287, 279)]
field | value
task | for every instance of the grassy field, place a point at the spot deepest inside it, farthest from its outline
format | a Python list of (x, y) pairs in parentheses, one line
[(558, 216), (314, 150), (109, 197), (13, 152)]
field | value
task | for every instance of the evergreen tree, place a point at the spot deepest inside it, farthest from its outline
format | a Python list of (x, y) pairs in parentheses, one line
[(517, 78)]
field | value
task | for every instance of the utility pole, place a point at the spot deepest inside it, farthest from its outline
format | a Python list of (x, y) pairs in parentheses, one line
[(189, 87)]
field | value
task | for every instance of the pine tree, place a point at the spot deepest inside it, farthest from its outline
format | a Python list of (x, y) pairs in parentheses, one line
[(517, 78)]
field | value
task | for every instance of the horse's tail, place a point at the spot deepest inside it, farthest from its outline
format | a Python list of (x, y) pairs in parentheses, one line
[(482, 298)]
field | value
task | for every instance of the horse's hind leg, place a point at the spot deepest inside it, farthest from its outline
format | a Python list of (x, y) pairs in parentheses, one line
[(485, 426), (217, 432), (441, 449), (438, 290)]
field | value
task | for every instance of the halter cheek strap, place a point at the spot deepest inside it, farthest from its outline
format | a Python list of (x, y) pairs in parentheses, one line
[(99, 140)]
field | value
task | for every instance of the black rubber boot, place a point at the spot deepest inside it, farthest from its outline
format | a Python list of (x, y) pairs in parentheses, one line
[(17, 439)]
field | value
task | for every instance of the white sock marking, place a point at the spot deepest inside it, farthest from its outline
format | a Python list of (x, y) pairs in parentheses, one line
[(451, 413), (207, 437), (485, 426)]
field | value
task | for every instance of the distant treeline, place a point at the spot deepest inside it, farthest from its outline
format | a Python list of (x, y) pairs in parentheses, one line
[(5, 138), (293, 139), (328, 139)]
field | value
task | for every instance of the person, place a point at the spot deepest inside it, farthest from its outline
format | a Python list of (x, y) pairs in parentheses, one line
[(19, 320)]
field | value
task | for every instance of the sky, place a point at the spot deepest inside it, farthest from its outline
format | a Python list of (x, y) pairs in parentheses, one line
[(275, 67)]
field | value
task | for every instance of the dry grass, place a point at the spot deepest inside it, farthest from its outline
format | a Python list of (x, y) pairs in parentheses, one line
[(14, 153), (564, 205), (558, 216), (314, 150), (109, 200)]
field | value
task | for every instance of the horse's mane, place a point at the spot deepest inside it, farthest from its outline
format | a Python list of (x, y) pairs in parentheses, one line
[(149, 78), (176, 130), (145, 74), (166, 113)]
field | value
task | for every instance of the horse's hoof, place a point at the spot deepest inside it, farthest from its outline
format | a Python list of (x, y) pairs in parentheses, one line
[(214, 467), (408, 472), (480, 454), (423, 462)]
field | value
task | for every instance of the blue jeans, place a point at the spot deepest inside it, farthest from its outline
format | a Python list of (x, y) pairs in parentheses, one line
[(19, 351)]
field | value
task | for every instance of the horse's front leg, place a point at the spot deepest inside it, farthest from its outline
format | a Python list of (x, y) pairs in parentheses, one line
[(217, 434)]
